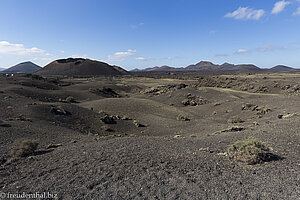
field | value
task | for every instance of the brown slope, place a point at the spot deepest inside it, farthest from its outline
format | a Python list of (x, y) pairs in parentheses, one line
[(79, 66)]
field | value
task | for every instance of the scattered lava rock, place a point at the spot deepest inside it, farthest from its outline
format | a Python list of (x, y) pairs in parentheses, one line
[(69, 99), (260, 111), (163, 89), (231, 129), (107, 128), (288, 115), (51, 146), (243, 84), (106, 92), (108, 119), (235, 119), (137, 124), (182, 118), (58, 110), (249, 106), (3, 124), (23, 118), (193, 100)]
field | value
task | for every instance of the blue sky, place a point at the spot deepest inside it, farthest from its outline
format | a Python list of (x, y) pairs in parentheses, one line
[(147, 33)]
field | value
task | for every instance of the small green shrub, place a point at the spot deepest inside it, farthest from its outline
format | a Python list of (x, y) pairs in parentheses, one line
[(250, 151)]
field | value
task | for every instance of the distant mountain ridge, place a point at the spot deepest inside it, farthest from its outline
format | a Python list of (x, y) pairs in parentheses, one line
[(206, 66), (80, 66), (24, 68)]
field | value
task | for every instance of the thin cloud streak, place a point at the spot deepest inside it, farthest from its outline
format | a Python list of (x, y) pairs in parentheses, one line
[(246, 14)]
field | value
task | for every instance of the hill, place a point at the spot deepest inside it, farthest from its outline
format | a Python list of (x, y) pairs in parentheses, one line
[(280, 68), (80, 67), (203, 66), (157, 69), (1, 69), (23, 68)]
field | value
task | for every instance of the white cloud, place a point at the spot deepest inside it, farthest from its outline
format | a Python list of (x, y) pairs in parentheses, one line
[(269, 47), (246, 13), (134, 26), (279, 6), (221, 55), (143, 59), (42, 60), (297, 12), (170, 58), (61, 51), (18, 49), (46, 59), (120, 56), (79, 56), (242, 51), (264, 48), (212, 32)]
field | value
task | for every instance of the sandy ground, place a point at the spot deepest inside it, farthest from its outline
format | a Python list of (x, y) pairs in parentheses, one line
[(150, 137)]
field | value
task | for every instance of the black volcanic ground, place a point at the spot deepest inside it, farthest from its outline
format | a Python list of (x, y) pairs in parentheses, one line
[(142, 137)]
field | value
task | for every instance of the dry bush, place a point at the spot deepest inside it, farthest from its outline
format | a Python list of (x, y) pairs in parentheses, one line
[(24, 148), (250, 151)]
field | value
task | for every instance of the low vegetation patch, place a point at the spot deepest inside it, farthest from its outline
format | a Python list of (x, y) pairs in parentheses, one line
[(250, 151), (24, 148)]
